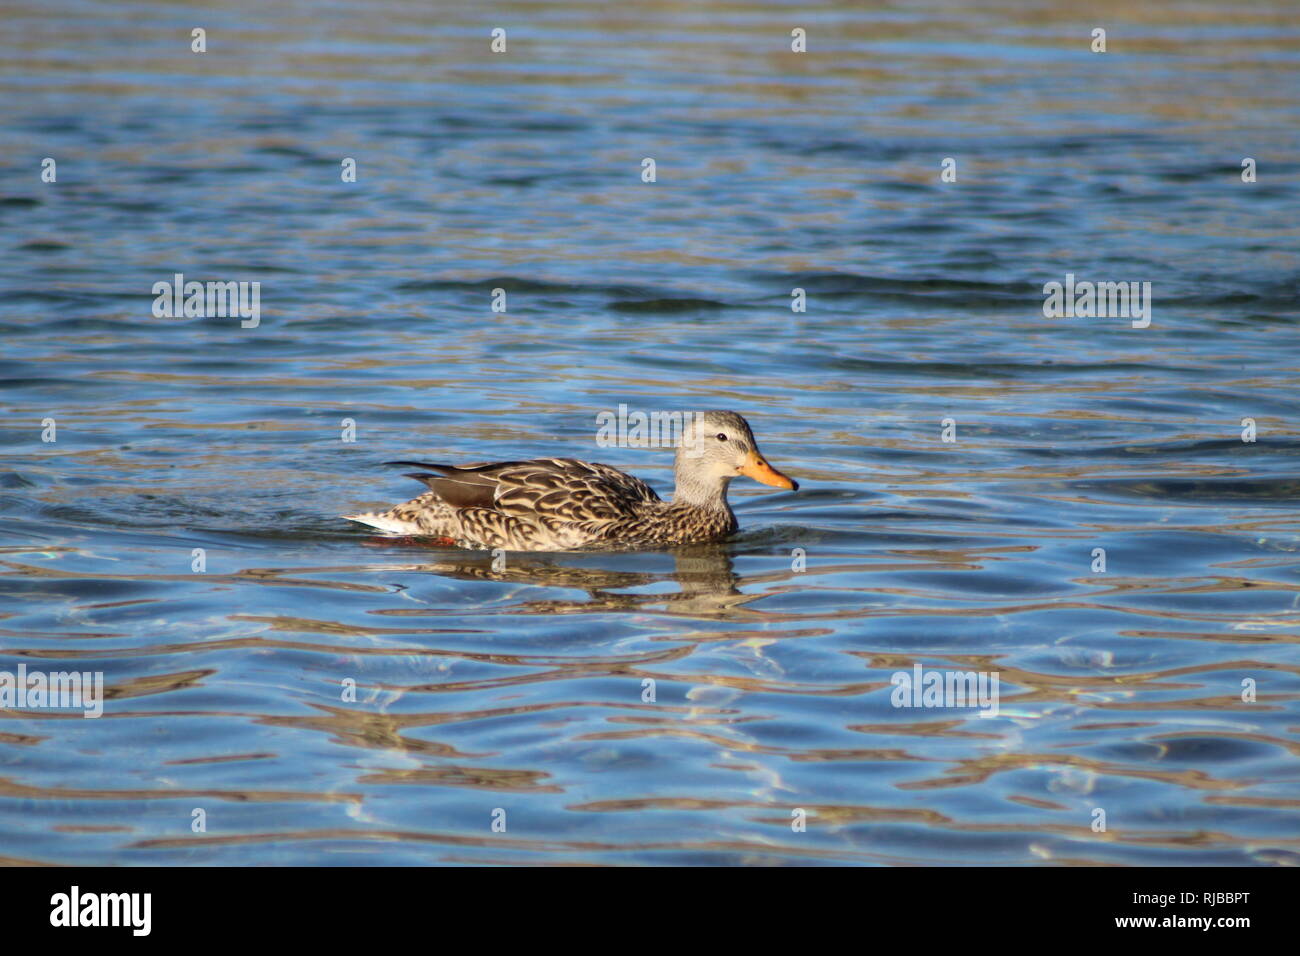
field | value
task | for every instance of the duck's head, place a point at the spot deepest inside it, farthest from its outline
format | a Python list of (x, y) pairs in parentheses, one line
[(718, 446)]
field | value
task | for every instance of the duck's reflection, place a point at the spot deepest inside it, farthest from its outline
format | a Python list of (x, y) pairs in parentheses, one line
[(704, 576)]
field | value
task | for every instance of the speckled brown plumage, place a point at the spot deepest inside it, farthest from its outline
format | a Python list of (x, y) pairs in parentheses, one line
[(550, 504)]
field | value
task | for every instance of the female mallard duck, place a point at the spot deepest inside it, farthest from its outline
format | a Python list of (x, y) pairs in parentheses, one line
[(557, 504)]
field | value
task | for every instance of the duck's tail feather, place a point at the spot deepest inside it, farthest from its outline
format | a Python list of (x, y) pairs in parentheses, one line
[(388, 522)]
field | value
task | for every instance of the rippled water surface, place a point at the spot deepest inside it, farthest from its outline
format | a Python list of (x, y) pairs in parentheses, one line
[(483, 688)]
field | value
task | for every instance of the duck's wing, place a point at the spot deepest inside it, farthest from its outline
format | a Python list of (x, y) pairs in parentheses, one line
[(462, 486), (544, 489)]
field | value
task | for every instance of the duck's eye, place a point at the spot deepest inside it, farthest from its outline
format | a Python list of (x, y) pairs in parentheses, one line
[(721, 437)]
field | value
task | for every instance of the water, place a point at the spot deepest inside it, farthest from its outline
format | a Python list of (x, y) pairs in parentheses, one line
[(520, 688)]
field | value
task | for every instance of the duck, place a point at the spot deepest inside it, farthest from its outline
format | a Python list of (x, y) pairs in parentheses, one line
[(563, 504)]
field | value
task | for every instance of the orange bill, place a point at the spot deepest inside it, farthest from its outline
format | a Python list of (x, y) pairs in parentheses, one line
[(760, 470)]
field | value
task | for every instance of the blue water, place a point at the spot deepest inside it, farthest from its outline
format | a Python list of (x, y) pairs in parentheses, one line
[(514, 692)]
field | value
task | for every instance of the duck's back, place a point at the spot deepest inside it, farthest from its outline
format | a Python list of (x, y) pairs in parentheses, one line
[(541, 504)]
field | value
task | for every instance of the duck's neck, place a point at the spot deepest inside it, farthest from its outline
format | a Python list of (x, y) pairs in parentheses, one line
[(693, 491)]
